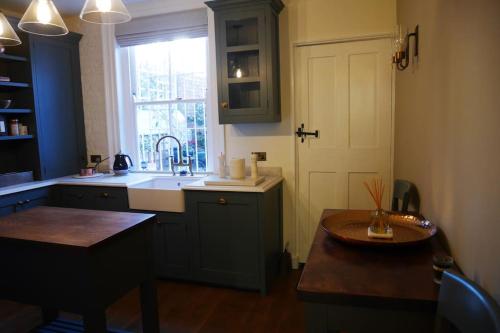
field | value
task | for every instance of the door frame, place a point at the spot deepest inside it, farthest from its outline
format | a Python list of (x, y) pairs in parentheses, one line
[(295, 123)]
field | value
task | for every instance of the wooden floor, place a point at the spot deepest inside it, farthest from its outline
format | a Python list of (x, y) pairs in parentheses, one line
[(192, 308)]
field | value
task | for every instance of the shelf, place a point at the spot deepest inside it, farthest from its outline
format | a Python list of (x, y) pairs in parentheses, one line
[(9, 57), (243, 48), (249, 79), (17, 137), (15, 111), (13, 85)]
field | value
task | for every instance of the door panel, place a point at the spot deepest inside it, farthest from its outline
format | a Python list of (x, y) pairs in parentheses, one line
[(344, 90)]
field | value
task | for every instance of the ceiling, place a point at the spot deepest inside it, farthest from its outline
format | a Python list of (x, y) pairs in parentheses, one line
[(65, 7)]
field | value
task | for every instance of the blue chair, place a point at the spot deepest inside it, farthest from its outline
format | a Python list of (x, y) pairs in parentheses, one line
[(465, 307), (405, 192)]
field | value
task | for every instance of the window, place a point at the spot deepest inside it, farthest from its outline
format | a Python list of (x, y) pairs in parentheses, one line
[(169, 86)]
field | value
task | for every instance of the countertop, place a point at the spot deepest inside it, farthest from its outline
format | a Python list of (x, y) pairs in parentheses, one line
[(132, 179), (269, 183)]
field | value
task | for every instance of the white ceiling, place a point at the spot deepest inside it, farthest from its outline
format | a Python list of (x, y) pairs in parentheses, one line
[(65, 7)]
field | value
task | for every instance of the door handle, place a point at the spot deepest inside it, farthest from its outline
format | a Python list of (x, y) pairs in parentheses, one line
[(302, 134)]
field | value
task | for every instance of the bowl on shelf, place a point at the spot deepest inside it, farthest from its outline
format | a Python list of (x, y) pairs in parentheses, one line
[(5, 103)]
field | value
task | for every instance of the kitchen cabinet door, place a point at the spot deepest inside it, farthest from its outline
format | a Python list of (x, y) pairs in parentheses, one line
[(58, 104), (225, 237), (172, 246)]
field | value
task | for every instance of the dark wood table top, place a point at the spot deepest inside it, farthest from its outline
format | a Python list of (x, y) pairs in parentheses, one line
[(67, 226), (339, 273)]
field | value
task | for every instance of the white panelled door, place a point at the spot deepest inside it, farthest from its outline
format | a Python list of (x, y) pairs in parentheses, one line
[(343, 90)]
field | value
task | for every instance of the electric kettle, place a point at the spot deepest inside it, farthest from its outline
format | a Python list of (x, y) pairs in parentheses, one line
[(120, 167)]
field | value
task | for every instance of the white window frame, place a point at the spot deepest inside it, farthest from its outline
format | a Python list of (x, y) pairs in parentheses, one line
[(126, 108)]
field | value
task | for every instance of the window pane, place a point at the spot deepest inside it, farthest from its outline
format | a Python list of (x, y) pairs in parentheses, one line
[(171, 70), (157, 121)]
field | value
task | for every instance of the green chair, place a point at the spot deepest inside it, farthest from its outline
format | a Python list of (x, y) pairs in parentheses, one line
[(465, 307), (405, 192)]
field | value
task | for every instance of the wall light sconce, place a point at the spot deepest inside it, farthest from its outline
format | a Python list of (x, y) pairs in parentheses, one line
[(401, 57)]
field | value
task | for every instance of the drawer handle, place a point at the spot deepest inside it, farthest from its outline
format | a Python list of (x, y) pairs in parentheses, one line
[(20, 203), (105, 195), (222, 201)]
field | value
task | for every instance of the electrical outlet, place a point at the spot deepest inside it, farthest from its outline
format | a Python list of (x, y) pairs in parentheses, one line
[(261, 156), (95, 158)]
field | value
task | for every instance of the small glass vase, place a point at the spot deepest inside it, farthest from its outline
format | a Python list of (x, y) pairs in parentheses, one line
[(379, 222)]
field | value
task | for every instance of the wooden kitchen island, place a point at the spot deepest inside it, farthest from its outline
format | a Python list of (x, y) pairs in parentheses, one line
[(365, 289), (79, 261)]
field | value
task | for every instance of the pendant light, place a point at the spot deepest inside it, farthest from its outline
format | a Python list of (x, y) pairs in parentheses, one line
[(8, 36), (42, 18), (105, 12)]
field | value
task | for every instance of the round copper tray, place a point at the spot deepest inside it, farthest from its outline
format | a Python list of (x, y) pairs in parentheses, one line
[(352, 227)]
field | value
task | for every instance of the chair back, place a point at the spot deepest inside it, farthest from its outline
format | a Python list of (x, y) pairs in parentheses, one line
[(401, 193), (465, 307)]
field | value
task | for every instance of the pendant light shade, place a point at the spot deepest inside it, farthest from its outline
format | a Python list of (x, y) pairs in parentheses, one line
[(8, 36), (42, 18), (105, 12)]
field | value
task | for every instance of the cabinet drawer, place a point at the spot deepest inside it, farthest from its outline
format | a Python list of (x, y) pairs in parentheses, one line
[(98, 198), (24, 200), (222, 198)]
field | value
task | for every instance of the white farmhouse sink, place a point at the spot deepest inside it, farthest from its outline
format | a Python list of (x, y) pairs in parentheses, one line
[(163, 194)]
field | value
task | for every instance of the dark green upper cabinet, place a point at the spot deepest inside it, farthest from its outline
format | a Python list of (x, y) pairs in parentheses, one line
[(57, 91), (247, 41)]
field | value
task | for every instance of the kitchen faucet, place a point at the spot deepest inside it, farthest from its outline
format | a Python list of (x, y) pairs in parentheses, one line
[(181, 161)]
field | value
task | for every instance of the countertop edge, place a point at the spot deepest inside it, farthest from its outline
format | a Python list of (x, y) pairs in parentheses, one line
[(270, 182)]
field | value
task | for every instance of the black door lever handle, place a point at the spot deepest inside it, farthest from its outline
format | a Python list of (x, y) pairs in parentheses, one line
[(303, 134)]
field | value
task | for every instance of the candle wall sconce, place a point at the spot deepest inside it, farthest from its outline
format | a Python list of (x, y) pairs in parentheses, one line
[(401, 57)]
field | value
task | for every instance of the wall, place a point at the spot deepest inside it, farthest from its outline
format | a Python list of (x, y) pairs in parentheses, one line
[(447, 136), (301, 21), (93, 84)]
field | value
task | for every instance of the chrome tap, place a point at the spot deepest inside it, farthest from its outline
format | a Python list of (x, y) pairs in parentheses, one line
[(179, 151)]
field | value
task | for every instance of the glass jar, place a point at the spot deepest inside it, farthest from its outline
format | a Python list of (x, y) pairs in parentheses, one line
[(14, 127), (379, 222)]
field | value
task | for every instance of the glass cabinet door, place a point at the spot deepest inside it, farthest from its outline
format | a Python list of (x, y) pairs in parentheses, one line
[(243, 64)]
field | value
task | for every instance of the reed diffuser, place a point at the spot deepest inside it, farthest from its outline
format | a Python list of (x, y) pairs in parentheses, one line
[(379, 228)]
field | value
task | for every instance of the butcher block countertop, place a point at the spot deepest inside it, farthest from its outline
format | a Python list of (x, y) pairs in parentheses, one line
[(68, 227)]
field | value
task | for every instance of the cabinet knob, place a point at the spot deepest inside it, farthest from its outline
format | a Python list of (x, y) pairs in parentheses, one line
[(27, 201), (20, 203), (222, 201), (105, 195), (224, 105)]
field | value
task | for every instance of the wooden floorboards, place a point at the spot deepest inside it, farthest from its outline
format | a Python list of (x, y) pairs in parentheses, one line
[(192, 308)]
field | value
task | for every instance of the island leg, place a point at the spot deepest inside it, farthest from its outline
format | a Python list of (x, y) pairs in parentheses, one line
[(94, 321), (149, 307), (49, 315)]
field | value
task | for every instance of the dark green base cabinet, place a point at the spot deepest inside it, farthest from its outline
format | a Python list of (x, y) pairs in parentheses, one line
[(236, 237)]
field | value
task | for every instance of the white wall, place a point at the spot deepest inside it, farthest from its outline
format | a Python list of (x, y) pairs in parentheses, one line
[(93, 83), (447, 136)]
